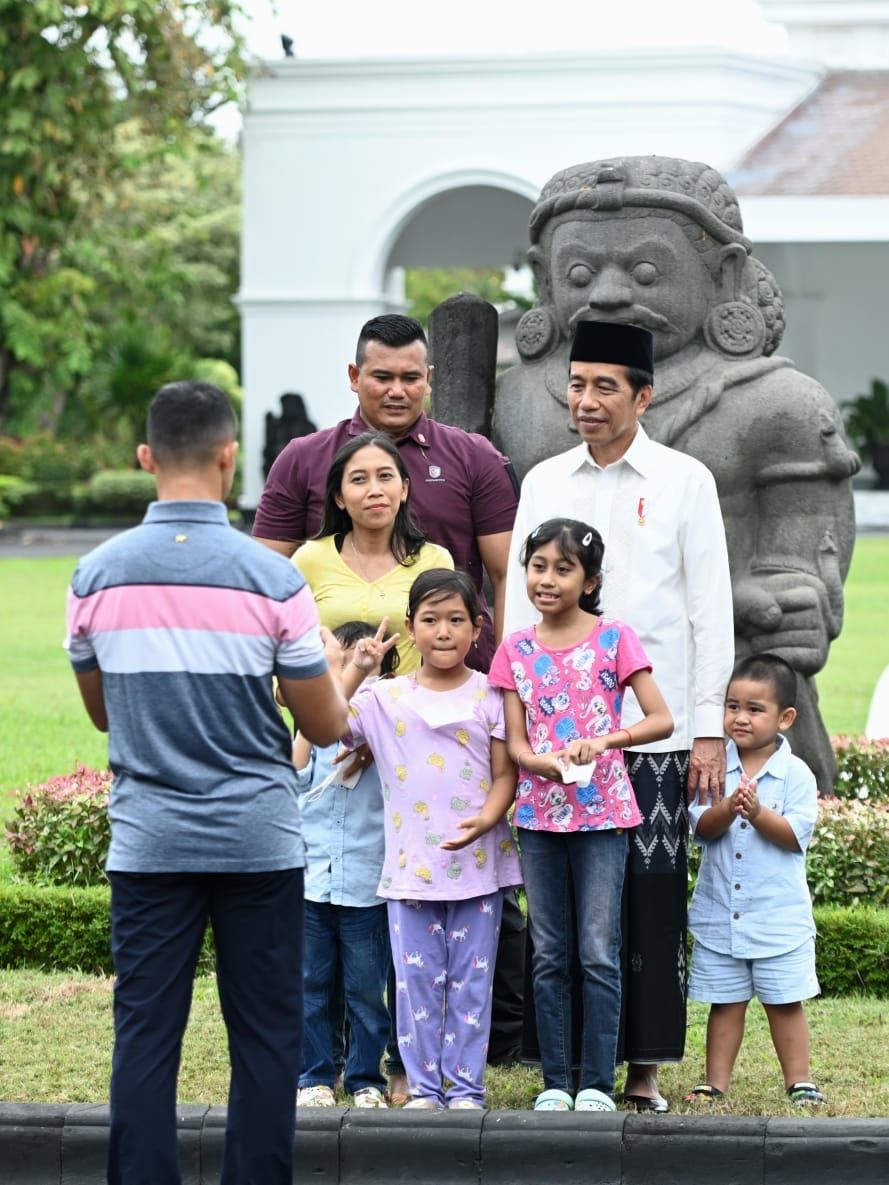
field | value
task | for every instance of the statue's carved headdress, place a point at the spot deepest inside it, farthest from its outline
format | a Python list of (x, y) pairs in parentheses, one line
[(651, 182)]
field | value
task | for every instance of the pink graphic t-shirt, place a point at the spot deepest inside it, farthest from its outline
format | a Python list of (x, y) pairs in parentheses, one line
[(570, 694)]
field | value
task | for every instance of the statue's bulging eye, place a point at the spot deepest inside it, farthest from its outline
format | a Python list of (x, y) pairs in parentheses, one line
[(580, 274), (644, 273)]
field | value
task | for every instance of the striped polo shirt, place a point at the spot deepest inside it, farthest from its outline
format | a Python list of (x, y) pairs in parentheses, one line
[(188, 620)]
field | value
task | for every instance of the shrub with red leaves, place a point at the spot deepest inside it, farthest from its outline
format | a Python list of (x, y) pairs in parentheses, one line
[(59, 832)]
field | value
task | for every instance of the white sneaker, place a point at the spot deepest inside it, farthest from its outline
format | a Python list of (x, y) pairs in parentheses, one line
[(422, 1104), (368, 1097), (315, 1096), (465, 1105)]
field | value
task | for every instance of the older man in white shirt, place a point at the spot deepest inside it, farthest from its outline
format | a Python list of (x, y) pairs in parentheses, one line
[(666, 574)]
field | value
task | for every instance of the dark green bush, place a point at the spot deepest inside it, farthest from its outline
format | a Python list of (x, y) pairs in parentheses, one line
[(59, 831), (56, 468), (13, 492), (863, 768), (62, 929), (848, 858), (12, 456), (69, 929), (852, 951), (116, 493), (55, 929), (53, 467)]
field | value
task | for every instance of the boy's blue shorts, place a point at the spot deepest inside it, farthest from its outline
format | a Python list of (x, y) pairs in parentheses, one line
[(781, 979)]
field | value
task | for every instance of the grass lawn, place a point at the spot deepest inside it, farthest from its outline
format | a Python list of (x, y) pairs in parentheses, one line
[(55, 1030), (55, 1047), (860, 654), (45, 730)]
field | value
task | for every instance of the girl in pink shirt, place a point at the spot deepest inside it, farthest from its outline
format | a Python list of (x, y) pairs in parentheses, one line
[(563, 682)]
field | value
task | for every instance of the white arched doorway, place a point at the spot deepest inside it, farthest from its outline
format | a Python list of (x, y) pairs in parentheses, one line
[(464, 219)]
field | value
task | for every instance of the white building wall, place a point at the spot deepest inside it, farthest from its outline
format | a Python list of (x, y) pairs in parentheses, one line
[(341, 157), (836, 317), (841, 34)]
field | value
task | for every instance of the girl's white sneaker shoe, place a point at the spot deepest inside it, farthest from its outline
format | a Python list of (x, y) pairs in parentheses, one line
[(315, 1096), (369, 1098)]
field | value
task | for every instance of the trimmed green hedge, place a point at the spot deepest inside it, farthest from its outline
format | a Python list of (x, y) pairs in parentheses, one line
[(55, 929), (116, 492), (58, 929), (852, 951)]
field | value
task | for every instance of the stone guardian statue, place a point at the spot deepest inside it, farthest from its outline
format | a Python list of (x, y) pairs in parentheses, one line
[(659, 242)]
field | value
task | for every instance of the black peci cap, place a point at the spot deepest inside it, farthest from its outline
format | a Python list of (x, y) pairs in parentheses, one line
[(611, 341)]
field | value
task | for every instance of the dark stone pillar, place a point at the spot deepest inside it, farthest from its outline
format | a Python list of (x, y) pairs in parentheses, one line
[(463, 350)]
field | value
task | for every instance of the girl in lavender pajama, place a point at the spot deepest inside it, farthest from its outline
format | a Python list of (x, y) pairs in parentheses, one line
[(438, 738)]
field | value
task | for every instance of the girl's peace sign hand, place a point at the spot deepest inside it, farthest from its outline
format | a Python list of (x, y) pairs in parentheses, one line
[(370, 652)]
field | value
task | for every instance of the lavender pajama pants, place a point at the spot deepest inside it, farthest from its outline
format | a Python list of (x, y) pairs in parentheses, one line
[(444, 954)]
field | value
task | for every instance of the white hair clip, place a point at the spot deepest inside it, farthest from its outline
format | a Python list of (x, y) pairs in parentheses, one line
[(587, 539)]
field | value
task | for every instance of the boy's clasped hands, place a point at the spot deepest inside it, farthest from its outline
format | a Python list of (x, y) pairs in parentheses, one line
[(745, 800)]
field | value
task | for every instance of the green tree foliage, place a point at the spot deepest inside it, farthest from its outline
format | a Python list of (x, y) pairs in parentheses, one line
[(70, 75), (427, 287), (163, 256)]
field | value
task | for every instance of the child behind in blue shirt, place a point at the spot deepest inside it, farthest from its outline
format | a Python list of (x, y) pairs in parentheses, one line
[(346, 927), (751, 913)]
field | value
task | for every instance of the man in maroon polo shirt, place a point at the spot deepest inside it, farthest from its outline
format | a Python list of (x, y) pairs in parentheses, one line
[(464, 495), (463, 492)]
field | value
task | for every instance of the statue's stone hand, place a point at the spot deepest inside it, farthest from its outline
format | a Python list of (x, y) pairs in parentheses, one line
[(785, 613)]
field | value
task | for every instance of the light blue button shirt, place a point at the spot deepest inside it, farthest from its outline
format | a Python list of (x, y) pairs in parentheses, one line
[(751, 900), (343, 833)]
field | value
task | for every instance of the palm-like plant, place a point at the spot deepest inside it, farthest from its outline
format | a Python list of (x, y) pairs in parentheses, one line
[(867, 422)]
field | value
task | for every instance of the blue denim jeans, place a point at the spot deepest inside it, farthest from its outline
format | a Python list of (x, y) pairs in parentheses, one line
[(355, 940), (574, 882)]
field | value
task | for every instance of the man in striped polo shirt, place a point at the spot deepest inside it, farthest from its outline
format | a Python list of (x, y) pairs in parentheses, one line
[(175, 630)]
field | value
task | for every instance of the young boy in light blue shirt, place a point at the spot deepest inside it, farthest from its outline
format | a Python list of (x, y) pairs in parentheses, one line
[(751, 913), (346, 929)]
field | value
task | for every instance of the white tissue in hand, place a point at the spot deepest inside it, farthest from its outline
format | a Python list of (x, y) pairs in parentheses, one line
[(580, 775)]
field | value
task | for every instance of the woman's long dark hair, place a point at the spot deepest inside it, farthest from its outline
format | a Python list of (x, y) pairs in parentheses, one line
[(407, 538)]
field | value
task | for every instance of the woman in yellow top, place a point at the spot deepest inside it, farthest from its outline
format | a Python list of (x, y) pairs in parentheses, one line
[(369, 550)]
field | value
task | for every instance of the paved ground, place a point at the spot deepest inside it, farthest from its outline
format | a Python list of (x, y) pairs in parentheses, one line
[(50, 541)]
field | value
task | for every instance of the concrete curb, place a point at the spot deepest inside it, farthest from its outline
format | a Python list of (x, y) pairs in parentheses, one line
[(65, 1144)]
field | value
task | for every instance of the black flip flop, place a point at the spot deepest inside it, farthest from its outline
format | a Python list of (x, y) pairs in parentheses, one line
[(704, 1093)]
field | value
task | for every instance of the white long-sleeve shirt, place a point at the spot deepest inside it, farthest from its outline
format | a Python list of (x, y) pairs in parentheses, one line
[(665, 572)]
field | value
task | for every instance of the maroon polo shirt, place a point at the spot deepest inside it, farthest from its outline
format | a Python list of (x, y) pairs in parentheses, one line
[(461, 488)]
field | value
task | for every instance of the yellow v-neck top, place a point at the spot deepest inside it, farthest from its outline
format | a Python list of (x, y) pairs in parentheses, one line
[(342, 595)]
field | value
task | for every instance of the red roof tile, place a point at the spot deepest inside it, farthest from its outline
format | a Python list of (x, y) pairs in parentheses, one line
[(836, 141)]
